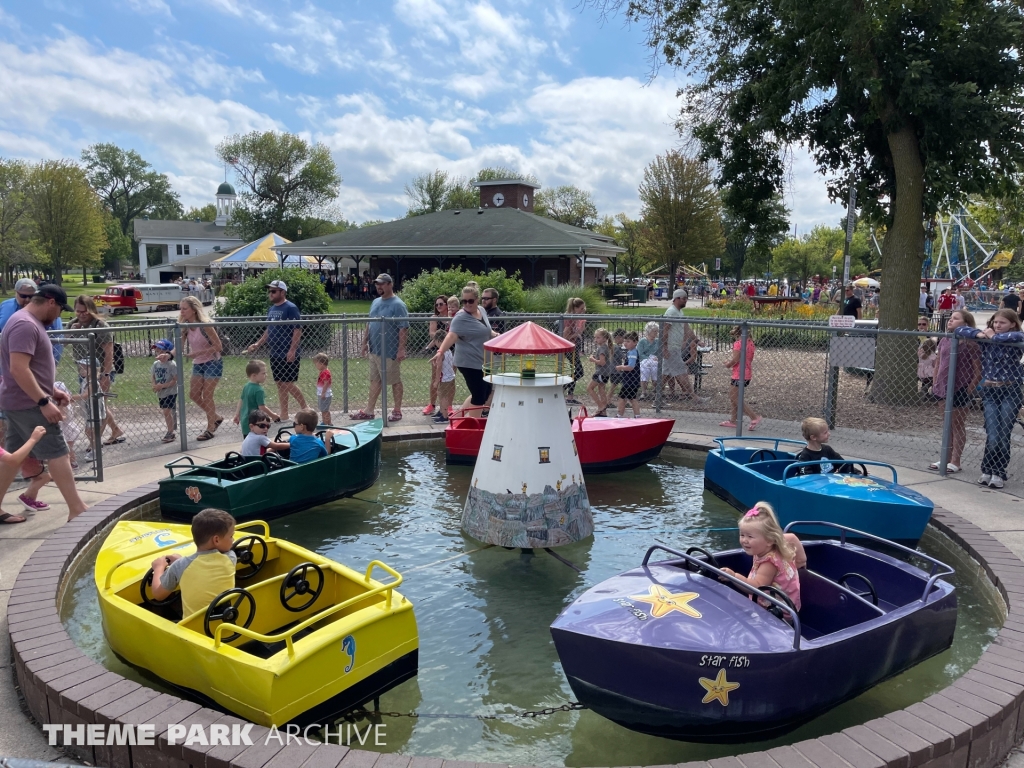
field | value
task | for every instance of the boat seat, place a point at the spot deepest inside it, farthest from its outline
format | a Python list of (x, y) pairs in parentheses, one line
[(826, 607), (772, 468)]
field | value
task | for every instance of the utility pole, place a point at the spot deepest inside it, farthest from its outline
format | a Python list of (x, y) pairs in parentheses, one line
[(851, 219)]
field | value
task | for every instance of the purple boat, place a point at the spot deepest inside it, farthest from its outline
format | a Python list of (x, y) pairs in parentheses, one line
[(677, 648)]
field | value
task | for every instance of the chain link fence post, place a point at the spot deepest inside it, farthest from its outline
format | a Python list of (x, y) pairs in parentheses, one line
[(383, 348), (96, 400), (179, 355), (741, 384), (947, 416), (344, 365)]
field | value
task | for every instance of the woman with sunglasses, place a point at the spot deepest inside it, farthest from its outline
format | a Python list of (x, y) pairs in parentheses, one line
[(440, 310), (471, 329), (204, 347)]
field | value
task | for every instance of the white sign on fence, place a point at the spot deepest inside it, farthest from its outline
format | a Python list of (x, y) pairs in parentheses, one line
[(842, 321)]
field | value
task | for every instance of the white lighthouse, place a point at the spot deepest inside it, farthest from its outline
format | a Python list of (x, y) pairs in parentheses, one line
[(527, 488)]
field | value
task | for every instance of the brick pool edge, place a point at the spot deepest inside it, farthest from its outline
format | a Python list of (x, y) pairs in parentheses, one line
[(972, 723)]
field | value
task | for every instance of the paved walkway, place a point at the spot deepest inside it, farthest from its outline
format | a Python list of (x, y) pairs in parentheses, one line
[(999, 513)]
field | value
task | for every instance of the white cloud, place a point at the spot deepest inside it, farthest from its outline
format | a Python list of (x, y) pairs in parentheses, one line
[(204, 67), (158, 7)]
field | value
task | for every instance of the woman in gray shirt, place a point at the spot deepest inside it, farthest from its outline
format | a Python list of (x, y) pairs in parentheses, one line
[(470, 328)]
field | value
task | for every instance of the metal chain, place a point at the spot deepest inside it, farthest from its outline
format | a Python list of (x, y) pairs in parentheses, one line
[(365, 714)]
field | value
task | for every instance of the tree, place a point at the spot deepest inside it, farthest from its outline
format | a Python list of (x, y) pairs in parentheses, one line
[(747, 251), (119, 246), (568, 204), (503, 172), (918, 104), (438, 191), (633, 236), (682, 210), (206, 213), (283, 178), (128, 186), (17, 229), (68, 215)]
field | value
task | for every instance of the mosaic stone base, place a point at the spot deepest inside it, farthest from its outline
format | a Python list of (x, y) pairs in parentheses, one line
[(546, 519)]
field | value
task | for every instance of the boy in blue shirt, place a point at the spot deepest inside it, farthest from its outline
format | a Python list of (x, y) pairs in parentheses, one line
[(630, 371), (303, 444)]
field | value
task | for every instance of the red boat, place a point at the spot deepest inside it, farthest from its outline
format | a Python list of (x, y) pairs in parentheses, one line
[(604, 444)]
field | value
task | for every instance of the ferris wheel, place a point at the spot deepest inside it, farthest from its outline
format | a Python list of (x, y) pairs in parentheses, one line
[(958, 247)]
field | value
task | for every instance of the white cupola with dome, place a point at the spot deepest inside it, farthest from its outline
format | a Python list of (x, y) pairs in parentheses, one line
[(225, 204)]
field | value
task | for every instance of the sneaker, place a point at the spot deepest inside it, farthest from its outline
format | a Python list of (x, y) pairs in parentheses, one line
[(429, 410), (984, 479), (35, 505), (572, 401), (995, 482), (440, 418)]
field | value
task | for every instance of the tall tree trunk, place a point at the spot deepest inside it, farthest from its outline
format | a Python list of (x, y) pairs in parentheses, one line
[(895, 380)]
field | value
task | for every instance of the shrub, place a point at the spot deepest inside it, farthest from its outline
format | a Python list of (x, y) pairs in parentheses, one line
[(420, 292), (552, 300), (249, 299)]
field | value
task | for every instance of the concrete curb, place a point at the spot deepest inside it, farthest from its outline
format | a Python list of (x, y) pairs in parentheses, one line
[(973, 723)]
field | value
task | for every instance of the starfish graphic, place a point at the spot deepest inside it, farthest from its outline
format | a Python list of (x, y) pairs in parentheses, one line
[(664, 602), (718, 689)]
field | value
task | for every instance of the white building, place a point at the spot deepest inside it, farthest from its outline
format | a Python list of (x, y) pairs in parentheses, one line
[(186, 247)]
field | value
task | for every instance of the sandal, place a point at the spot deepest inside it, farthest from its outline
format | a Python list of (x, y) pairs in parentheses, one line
[(207, 435), (168, 438), (754, 423), (11, 519), (217, 423), (727, 424), (395, 416), (360, 415), (116, 440)]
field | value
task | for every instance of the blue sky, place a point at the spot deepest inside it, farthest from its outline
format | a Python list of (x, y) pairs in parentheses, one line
[(394, 88)]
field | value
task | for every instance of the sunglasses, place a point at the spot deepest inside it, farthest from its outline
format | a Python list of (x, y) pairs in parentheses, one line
[(25, 296), (262, 425), (469, 301), (273, 290)]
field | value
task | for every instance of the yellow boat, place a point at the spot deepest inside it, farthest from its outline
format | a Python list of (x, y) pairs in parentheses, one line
[(301, 639)]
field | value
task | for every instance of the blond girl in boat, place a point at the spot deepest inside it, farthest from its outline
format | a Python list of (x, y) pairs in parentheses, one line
[(777, 556)]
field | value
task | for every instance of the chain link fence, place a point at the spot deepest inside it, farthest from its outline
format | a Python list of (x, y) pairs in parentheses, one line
[(876, 389)]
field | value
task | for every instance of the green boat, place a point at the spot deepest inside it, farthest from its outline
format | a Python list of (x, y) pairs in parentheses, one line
[(268, 486)]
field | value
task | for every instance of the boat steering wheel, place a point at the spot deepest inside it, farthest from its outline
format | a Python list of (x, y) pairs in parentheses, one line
[(147, 595), (245, 550), (234, 457), (690, 566), (870, 587), (296, 584), (754, 456), (781, 596), (226, 608), (273, 460)]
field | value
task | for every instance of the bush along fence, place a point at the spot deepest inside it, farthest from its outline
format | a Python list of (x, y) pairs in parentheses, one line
[(877, 389)]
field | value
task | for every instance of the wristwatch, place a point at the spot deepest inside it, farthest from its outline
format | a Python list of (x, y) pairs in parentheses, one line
[(44, 401)]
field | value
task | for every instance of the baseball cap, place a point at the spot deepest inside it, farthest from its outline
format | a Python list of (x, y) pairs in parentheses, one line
[(679, 293), (279, 284), (25, 282), (55, 292), (383, 277), (165, 344)]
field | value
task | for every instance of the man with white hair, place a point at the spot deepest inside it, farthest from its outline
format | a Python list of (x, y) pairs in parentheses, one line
[(673, 337)]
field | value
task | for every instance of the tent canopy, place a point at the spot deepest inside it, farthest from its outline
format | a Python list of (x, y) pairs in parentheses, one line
[(260, 254)]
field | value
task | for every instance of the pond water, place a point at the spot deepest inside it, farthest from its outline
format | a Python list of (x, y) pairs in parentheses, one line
[(483, 612)]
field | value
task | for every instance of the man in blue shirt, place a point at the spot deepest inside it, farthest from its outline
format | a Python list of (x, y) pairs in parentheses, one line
[(283, 346), (385, 341), (24, 290)]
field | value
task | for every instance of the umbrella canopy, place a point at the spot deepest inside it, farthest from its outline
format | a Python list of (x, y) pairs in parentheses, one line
[(529, 338), (866, 282), (261, 253)]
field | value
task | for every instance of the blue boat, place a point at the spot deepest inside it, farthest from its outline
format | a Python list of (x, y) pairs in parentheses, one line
[(679, 649), (745, 470)]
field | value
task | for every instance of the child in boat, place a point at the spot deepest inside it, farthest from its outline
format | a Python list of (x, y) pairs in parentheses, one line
[(304, 445), (777, 556), (816, 433), (203, 575), (256, 443), (252, 395)]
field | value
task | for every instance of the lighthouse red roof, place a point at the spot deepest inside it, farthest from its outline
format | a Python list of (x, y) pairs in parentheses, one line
[(528, 338)]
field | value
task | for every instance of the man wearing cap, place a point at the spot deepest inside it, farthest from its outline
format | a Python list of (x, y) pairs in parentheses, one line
[(24, 290), (673, 335), (27, 395), (1011, 300), (385, 341), (283, 346)]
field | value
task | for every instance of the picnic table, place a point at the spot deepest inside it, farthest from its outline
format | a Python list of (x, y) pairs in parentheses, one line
[(623, 299), (783, 302)]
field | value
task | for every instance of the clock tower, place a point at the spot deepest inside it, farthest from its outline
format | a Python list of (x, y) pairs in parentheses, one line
[(507, 193)]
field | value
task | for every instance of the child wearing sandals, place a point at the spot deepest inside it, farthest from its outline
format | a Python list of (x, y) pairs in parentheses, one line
[(602, 360), (778, 556), (16, 459)]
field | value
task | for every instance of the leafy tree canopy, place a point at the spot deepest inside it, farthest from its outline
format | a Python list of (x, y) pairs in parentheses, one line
[(18, 243), (503, 172), (440, 191), (282, 178), (568, 204), (206, 213), (250, 297), (128, 185), (420, 292)]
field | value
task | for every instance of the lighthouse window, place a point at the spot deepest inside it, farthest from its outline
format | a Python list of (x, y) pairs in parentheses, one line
[(521, 402), (540, 399), (545, 455), (496, 454)]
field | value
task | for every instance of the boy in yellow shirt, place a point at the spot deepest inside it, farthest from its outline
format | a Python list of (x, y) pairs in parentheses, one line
[(203, 575)]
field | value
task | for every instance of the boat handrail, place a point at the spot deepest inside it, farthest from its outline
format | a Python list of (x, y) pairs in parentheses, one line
[(776, 440), (329, 427), (172, 464), (219, 472), (223, 629), (743, 585), (933, 576), (250, 523), (787, 472)]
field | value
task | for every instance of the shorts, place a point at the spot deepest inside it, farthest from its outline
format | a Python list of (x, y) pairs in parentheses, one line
[(629, 389), (672, 364), (323, 404), (284, 371), (479, 390), (19, 427), (736, 382), (963, 398), (648, 369), (394, 369), (600, 379), (212, 369), (169, 403)]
